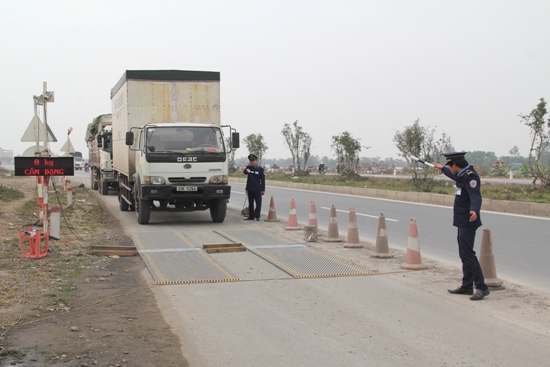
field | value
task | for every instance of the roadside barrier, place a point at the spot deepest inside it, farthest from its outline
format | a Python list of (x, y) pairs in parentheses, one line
[(312, 222), (353, 231), (292, 217), (333, 235), (487, 260), (272, 214), (414, 261), (382, 250)]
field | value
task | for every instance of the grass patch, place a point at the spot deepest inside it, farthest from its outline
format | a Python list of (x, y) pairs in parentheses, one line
[(511, 192), (9, 194)]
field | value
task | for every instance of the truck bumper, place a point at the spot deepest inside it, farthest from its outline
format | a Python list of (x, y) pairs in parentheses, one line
[(170, 192)]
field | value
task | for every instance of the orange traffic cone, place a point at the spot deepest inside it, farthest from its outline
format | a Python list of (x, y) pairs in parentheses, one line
[(414, 262), (382, 250), (332, 235), (487, 260), (292, 217), (272, 215), (353, 232), (312, 222)]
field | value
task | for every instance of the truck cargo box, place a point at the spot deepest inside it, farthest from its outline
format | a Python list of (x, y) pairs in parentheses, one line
[(160, 97)]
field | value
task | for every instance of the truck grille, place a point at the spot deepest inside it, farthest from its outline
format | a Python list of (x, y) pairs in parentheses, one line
[(179, 180)]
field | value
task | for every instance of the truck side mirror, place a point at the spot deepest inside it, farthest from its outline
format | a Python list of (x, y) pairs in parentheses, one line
[(129, 138), (235, 141), (99, 141)]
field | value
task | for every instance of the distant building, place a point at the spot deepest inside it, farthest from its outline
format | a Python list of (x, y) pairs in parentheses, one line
[(6, 156)]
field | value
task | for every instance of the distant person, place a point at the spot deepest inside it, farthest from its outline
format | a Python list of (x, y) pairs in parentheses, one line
[(466, 217), (255, 187), (321, 168)]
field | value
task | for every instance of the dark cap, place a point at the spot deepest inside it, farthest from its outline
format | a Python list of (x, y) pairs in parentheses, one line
[(451, 156), (252, 157)]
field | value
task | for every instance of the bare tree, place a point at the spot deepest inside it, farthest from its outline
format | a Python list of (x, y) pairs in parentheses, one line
[(256, 145), (298, 142), (540, 142)]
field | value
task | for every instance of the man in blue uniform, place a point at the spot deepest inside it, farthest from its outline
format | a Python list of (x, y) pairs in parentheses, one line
[(255, 187), (466, 217)]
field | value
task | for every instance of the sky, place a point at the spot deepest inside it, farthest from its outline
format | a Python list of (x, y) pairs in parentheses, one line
[(371, 68)]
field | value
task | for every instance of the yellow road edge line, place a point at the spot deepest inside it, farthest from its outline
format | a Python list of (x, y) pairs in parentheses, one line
[(180, 235), (153, 265)]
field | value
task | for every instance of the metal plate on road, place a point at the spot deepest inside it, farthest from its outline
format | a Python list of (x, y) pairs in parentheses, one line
[(302, 261), (185, 267), (251, 237), (172, 259), (161, 240)]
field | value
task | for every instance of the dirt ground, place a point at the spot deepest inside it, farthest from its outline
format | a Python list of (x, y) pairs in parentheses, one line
[(71, 308)]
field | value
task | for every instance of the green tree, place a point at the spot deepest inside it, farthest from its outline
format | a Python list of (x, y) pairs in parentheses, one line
[(299, 143), (419, 141), (540, 141), (347, 150), (256, 145)]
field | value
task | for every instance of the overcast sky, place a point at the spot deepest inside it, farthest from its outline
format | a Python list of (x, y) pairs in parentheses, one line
[(467, 68)]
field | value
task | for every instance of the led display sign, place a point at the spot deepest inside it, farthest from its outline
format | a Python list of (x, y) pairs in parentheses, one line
[(44, 166)]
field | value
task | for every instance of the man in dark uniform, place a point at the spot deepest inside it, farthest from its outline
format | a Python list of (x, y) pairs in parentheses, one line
[(466, 217), (255, 187)]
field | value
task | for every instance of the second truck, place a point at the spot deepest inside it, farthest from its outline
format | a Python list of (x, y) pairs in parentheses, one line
[(169, 149)]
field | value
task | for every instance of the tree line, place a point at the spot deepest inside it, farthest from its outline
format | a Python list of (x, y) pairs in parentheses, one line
[(419, 141)]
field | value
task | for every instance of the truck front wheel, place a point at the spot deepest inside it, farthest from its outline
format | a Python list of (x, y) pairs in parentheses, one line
[(143, 210), (218, 209)]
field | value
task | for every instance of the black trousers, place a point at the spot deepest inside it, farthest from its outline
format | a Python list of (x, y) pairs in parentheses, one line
[(471, 270), (254, 197)]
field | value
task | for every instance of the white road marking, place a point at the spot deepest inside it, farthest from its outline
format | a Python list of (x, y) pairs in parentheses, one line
[(361, 214)]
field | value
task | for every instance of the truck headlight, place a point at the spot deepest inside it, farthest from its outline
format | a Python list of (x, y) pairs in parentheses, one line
[(219, 180), (153, 180)]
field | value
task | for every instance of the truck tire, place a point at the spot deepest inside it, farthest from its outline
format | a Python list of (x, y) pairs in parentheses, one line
[(143, 209), (93, 181), (103, 186), (218, 209)]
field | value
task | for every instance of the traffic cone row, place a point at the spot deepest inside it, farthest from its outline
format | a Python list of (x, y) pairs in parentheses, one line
[(413, 257), (414, 260)]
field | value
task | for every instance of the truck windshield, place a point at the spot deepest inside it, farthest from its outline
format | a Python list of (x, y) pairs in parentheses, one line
[(184, 139)]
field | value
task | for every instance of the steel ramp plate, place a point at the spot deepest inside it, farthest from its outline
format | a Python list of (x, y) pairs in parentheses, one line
[(301, 261), (178, 261), (161, 240), (251, 237)]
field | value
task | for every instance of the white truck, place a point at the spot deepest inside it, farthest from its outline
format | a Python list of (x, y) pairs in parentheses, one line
[(169, 151), (100, 150)]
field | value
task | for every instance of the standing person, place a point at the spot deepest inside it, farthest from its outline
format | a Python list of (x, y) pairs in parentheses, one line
[(466, 217), (255, 187)]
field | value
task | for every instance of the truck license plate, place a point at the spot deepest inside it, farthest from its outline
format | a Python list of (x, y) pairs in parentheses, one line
[(187, 188)]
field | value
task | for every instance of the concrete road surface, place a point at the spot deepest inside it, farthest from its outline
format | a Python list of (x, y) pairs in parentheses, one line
[(392, 318)]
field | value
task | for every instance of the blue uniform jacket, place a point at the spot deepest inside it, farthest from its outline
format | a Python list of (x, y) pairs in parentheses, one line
[(256, 178), (467, 196)]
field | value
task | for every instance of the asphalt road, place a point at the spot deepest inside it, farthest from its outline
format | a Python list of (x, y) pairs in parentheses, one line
[(393, 319), (520, 243)]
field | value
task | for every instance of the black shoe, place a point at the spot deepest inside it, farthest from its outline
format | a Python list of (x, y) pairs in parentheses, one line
[(248, 218), (479, 295), (258, 219), (461, 290)]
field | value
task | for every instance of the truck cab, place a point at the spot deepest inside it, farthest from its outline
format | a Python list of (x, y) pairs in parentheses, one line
[(182, 165)]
